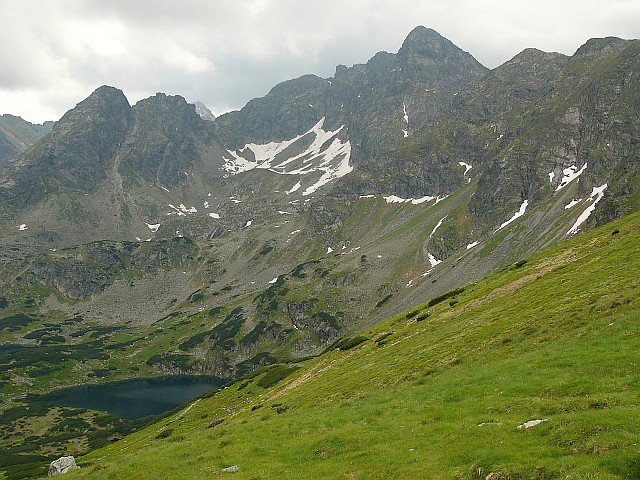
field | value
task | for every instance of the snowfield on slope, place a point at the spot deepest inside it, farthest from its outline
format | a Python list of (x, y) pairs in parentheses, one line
[(323, 152)]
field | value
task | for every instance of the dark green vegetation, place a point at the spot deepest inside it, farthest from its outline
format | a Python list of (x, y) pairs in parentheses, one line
[(26, 452), (555, 340)]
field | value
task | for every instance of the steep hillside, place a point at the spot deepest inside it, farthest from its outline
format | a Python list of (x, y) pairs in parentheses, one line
[(529, 373)]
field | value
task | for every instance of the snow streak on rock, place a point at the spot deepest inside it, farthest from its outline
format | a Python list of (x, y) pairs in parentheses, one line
[(466, 166), (518, 214), (570, 174), (437, 226), (572, 203), (597, 194), (405, 132), (434, 261), (181, 210), (413, 201)]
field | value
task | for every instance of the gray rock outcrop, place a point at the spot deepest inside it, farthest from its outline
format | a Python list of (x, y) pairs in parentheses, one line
[(62, 465)]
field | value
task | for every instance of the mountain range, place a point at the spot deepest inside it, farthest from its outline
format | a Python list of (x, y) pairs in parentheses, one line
[(203, 244)]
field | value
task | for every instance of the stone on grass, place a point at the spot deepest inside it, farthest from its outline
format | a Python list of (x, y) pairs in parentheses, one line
[(62, 465), (531, 423), (231, 469)]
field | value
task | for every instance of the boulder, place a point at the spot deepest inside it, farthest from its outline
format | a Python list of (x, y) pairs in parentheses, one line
[(231, 469), (62, 465)]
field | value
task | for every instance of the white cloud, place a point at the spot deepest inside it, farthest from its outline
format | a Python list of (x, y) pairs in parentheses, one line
[(229, 51)]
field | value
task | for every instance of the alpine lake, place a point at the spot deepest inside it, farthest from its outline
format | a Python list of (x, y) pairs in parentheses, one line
[(136, 398)]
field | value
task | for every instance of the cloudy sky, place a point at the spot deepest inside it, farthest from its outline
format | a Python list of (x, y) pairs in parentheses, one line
[(225, 52)]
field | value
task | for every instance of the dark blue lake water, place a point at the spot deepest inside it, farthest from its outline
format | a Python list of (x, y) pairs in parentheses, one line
[(137, 398)]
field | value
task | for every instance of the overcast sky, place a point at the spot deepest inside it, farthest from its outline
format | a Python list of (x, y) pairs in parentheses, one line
[(225, 52)]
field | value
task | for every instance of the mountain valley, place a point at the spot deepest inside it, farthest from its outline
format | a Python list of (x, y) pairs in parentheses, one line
[(158, 239)]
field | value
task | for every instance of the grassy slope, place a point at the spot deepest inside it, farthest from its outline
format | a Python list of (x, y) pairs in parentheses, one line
[(555, 339)]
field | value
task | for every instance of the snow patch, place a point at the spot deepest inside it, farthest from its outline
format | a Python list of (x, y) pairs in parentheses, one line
[(214, 215), (518, 214), (326, 153), (181, 210), (413, 201), (329, 250), (295, 188), (570, 174), (597, 194), (434, 261), (466, 166), (248, 224), (206, 204), (295, 231), (551, 175), (22, 227), (153, 227), (437, 226), (274, 280), (572, 203), (471, 245)]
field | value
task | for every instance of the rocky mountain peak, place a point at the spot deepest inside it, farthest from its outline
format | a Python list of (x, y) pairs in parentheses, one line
[(425, 43), (166, 113), (103, 109), (535, 55), (426, 50), (103, 99), (599, 46), (423, 38)]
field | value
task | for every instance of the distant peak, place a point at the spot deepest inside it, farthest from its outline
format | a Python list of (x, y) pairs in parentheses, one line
[(204, 112), (595, 46), (106, 91), (426, 46), (105, 98), (533, 54), (422, 38), (161, 98)]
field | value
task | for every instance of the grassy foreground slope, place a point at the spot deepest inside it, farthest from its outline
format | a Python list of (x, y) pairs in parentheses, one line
[(555, 338)]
